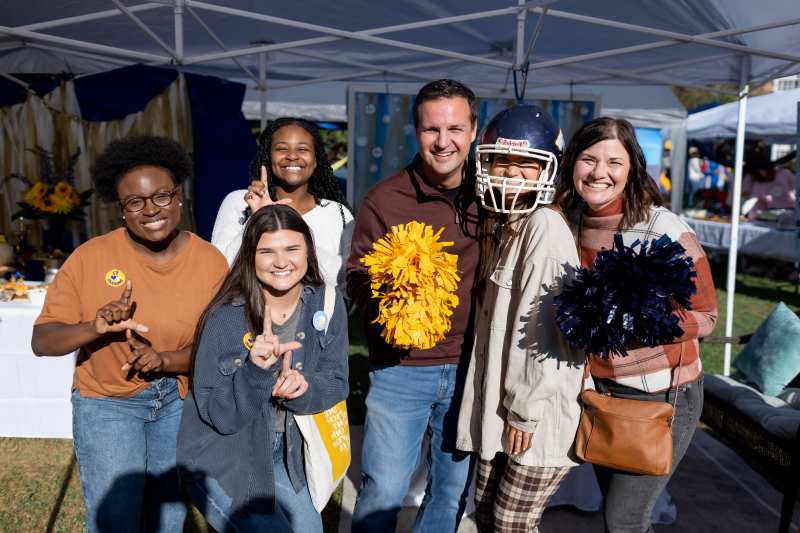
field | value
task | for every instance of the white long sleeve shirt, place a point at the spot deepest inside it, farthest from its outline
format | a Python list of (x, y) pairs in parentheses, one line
[(331, 234)]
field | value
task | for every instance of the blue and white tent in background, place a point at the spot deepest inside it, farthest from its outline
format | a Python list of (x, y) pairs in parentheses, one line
[(284, 45), (771, 117)]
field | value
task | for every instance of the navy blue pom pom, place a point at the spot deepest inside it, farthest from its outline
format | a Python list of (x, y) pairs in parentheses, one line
[(629, 298)]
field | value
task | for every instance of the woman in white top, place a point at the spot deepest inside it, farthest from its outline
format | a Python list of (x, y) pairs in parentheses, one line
[(291, 167)]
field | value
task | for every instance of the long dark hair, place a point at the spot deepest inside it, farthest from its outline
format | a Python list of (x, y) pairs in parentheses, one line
[(322, 184), (241, 281), (640, 191)]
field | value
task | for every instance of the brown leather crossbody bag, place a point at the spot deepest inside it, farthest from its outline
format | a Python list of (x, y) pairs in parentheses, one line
[(629, 435)]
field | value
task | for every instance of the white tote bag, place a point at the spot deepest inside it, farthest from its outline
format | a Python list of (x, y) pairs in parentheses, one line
[(326, 436)]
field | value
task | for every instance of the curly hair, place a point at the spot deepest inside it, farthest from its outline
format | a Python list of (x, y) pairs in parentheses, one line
[(123, 155), (322, 184)]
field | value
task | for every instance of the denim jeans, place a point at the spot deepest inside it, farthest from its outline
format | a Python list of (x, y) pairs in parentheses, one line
[(629, 498), (294, 512), (405, 402), (126, 458)]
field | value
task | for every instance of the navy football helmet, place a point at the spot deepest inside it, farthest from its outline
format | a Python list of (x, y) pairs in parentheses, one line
[(526, 131)]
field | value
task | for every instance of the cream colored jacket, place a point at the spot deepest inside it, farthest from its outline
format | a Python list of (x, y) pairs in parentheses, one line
[(522, 370)]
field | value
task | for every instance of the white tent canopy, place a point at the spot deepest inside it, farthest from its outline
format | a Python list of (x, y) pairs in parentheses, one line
[(578, 42), (772, 117)]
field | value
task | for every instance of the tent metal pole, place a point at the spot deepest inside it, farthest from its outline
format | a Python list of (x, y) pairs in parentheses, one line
[(12, 45), (178, 11), (262, 87), (642, 78), (735, 208), (55, 23), (77, 53), (360, 36), (94, 47), (142, 26), (363, 73), (537, 30), (659, 44), (219, 42), (677, 156), (646, 70), (16, 80), (520, 52), (682, 37)]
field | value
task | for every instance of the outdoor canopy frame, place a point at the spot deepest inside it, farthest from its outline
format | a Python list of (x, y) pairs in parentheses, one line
[(33, 35)]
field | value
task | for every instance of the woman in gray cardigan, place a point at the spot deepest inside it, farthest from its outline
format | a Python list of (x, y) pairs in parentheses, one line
[(266, 350)]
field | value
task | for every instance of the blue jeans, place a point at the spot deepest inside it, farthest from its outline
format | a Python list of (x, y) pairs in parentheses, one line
[(405, 402), (126, 457), (294, 512), (630, 498)]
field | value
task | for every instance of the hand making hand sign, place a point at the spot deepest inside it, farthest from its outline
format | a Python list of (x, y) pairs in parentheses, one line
[(257, 195), (143, 357), (266, 348), (116, 316), (291, 383)]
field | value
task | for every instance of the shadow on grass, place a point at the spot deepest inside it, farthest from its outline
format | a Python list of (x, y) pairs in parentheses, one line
[(62, 492)]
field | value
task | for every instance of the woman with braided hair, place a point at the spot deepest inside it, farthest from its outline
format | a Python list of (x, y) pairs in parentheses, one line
[(291, 167)]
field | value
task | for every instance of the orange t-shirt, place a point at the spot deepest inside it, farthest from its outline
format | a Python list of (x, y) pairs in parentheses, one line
[(169, 299)]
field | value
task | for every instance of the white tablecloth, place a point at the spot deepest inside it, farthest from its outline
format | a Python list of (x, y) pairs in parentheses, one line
[(755, 238), (34, 391)]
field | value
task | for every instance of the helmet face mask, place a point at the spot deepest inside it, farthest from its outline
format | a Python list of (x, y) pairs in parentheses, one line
[(528, 137)]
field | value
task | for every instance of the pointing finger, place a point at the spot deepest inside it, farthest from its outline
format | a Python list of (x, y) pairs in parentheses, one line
[(294, 345), (126, 292), (264, 175), (131, 324), (267, 321), (286, 364)]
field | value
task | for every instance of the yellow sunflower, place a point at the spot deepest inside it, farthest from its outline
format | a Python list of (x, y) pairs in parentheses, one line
[(62, 188), (415, 282), (37, 192), (59, 204)]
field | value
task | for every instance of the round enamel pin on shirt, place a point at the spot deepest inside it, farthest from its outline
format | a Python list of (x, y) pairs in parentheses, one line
[(248, 340), (115, 277), (320, 320)]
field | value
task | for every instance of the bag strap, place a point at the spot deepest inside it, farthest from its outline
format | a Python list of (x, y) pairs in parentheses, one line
[(588, 372), (329, 304), (677, 382)]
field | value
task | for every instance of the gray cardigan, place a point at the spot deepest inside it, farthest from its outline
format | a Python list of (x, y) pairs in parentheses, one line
[(227, 429)]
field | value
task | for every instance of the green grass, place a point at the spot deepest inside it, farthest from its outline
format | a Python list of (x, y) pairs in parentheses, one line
[(756, 296), (40, 489)]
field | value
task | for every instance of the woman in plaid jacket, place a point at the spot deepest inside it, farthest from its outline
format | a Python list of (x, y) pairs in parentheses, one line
[(605, 189)]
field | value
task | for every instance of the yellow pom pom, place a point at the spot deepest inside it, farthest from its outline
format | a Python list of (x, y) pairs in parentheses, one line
[(415, 282)]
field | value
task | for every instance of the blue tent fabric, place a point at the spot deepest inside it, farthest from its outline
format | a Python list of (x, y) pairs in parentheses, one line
[(223, 144), (13, 93), (117, 93)]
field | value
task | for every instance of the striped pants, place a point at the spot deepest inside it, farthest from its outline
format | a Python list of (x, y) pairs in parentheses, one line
[(510, 498)]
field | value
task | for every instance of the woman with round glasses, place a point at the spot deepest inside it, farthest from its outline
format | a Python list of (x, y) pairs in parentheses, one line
[(129, 301)]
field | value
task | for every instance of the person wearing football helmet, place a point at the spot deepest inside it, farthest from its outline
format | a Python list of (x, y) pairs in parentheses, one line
[(520, 411), (517, 160)]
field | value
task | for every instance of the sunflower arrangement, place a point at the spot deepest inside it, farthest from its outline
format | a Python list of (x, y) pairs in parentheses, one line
[(414, 281), (53, 194)]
